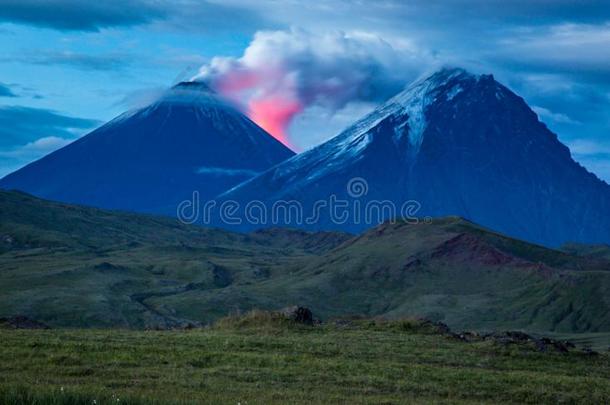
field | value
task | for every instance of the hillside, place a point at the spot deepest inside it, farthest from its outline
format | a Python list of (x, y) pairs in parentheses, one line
[(591, 251), (74, 266), (78, 266), (457, 272), (27, 222)]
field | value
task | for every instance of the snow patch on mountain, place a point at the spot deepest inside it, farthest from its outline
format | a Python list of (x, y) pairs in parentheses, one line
[(454, 92), (414, 103), (414, 100), (407, 109)]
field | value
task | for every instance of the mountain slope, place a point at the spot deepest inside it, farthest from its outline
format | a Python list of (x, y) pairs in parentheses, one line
[(66, 265), (151, 159), (457, 272), (457, 144)]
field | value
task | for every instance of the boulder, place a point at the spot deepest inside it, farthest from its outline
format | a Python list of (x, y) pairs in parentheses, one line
[(298, 314)]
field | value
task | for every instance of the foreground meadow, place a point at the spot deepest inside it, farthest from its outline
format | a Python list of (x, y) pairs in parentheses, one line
[(254, 360)]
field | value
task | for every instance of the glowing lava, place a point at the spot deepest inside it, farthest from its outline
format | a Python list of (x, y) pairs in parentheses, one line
[(268, 98), (274, 115)]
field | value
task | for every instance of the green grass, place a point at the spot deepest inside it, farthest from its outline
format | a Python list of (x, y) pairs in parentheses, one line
[(70, 266), (593, 251), (260, 359), (595, 341)]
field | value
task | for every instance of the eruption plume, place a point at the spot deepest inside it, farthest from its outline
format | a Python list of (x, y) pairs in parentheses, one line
[(282, 73)]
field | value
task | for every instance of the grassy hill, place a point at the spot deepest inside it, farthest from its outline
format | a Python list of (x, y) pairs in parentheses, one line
[(591, 251), (259, 359), (71, 266), (457, 272)]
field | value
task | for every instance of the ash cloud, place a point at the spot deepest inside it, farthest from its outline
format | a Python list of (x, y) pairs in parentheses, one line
[(283, 73)]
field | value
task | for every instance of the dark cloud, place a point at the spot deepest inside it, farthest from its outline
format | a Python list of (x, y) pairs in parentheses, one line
[(5, 91), (22, 125), (428, 19), (80, 15), (82, 61), (520, 12), (216, 18), (580, 50)]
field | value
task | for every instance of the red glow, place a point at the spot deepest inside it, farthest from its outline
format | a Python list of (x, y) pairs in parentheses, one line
[(274, 115), (268, 98)]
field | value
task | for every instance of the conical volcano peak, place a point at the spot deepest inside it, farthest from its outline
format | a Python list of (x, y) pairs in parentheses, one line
[(449, 80), (448, 73), (191, 92), (193, 86), (153, 158), (404, 115)]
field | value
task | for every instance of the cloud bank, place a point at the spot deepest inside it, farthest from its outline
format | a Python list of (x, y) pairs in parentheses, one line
[(5, 91), (21, 125), (78, 15), (93, 16), (27, 134), (282, 73), (87, 62)]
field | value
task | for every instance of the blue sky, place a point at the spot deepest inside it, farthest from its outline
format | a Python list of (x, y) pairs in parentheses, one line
[(67, 66)]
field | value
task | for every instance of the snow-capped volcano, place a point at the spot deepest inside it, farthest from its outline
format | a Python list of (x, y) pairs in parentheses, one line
[(152, 158), (457, 144)]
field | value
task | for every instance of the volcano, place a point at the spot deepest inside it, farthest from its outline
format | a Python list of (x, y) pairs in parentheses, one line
[(150, 159), (453, 143)]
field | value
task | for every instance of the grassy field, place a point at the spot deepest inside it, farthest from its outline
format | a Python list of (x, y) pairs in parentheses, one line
[(240, 361)]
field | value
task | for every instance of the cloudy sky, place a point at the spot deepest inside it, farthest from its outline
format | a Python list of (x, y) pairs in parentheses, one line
[(67, 66)]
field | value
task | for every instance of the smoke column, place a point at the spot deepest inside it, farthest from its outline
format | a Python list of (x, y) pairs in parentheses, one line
[(282, 73)]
